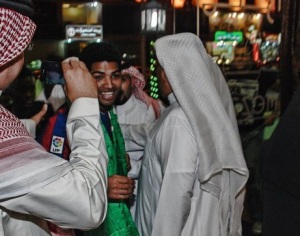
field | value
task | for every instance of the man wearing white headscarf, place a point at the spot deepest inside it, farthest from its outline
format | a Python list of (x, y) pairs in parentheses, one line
[(193, 172), (135, 106), (36, 186)]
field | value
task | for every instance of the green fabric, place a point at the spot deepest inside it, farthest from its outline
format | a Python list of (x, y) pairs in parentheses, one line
[(268, 130), (38, 87), (118, 221)]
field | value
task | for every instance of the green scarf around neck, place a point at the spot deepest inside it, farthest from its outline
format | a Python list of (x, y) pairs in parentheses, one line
[(118, 221)]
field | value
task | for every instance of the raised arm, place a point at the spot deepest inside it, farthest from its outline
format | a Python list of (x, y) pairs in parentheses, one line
[(77, 195)]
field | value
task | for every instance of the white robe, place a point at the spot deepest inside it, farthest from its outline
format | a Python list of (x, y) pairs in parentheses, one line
[(195, 155), (170, 201), (204, 96), (76, 200), (134, 112)]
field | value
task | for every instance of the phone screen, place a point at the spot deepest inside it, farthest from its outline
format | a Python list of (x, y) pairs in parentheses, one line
[(51, 73)]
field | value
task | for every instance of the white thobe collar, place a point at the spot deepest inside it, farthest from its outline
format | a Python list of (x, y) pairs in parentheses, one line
[(172, 98)]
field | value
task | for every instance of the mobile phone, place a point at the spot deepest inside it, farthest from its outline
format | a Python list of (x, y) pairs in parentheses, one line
[(51, 73)]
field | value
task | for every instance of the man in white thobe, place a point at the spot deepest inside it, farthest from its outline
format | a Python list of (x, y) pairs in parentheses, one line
[(134, 106), (193, 172), (35, 186)]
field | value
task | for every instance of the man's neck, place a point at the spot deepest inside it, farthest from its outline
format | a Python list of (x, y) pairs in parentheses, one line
[(104, 109)]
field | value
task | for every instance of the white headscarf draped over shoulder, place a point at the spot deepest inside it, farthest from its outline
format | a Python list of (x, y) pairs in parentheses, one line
[(201, 90)]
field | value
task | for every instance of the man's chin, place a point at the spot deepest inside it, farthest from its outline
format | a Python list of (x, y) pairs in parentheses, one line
[(121, 101), (105, 105)]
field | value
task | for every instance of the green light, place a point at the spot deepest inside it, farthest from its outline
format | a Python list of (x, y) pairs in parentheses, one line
[(153, 79)]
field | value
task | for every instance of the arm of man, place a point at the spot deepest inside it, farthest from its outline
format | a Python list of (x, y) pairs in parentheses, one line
[(179, 164), (31, 123), (79, 198)]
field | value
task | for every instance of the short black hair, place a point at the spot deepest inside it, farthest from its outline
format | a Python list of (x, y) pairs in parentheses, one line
[(98, 52)]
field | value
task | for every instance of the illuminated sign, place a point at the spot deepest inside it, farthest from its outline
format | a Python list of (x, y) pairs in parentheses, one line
[(229, 36), (84, 32)]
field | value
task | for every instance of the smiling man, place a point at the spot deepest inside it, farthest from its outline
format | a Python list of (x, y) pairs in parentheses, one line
[(104, 63)]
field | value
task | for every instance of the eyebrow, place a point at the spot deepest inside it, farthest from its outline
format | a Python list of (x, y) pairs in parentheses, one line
[(103, 73)]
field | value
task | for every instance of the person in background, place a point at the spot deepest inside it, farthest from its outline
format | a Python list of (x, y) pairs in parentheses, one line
[(37, 186), (53, 94), (193, 174), (242, 57), (24, 105), (18, 98), (135, 106)]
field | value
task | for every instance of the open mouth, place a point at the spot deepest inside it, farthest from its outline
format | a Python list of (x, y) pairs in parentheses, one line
[(107, 95)]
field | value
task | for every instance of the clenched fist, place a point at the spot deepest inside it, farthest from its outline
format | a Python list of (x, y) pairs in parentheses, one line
[(120, 187)]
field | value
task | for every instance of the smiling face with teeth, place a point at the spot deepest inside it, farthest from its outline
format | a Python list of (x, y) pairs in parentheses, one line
[(108, 77)]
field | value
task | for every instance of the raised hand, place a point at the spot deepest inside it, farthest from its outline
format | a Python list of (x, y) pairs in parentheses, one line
[(79, 81)]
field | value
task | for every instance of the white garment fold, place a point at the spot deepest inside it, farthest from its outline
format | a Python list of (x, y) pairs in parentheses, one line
[(74, 197)]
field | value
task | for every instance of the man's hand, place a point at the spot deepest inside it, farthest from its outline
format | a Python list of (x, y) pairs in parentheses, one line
[(120, 187), (79, 81)]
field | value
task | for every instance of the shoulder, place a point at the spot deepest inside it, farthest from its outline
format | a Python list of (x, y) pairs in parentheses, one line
[(173, 117), (176, 112), (140, 105)]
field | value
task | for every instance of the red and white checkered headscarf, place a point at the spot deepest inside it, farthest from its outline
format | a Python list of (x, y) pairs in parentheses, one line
[(16, 31), (138, 84)]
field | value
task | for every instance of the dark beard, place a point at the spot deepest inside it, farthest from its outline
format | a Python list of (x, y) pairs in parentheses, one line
[(121, 99)]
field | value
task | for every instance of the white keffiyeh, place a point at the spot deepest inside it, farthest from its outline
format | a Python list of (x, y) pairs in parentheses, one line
[(203, 94)]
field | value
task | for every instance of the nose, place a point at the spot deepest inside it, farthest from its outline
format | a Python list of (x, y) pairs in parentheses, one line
[(107, 82)]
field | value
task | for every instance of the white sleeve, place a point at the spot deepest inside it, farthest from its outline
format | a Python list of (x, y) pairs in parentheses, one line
[(79, 198)]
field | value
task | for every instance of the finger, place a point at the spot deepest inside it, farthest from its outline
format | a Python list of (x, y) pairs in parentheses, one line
[(67, 63), (116, 185), (68, 60), (119, 194), (122, 179), (83, 66), (74, 63), (121, 191), (124, 187)]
